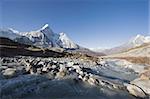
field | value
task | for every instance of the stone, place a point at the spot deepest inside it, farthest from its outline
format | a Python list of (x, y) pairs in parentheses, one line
[(39, 71), (144, 84), (70, 64), (136, 91), (54, 66), (9, 72), (91, 81), (70, 69), (80, 77), (145, 75), (3, 68), (28, 66), (54, 61), (49, 65), (85, 78), (61, 74), (81, 73), (44, 69), (33, 70), (62, 68), (40, 64)]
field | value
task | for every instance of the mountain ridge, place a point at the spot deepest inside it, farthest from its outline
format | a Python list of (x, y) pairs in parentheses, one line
[(132, 43), (43, 37)]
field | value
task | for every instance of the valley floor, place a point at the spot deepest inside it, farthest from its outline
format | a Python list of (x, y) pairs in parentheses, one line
[(25, 77)]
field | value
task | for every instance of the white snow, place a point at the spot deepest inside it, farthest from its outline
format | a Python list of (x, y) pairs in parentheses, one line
[(66, 42), (45, 26), (14, 31), (7, 33), (139, 40)]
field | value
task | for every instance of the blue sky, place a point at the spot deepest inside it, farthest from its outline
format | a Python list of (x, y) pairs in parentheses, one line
[(90, 23)]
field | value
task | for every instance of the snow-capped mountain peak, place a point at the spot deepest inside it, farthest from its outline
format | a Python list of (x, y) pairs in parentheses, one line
[(13, 30), (43, 37), (136, 41), (66, 41), (9, 33), (147, 39), (46, 30), (45, 27), (139, 40), (62, 34)]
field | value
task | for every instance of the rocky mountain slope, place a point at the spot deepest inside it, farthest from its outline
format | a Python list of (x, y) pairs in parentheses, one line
[(139, 55), (139, 51), (11, 48)]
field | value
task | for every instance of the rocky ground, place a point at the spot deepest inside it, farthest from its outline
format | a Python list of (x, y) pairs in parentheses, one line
[(25, 77)]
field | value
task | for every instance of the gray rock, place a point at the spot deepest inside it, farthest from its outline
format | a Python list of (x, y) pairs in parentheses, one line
[(3, 68), (136, 91), (85, 78), (39, 71), (92, 81), (44, 69), (9, 72), (54, 66), (144, 84), (61, 74), (70, 64)]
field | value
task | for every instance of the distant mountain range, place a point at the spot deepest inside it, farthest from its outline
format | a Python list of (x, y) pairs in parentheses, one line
[(43, 37), (139, 51), (134, 42), (46, 38)]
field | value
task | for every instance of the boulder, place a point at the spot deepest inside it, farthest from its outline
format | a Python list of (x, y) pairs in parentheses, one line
[(3, 68), (144, 84), (44, 69), (136, 91), (9, 72), (61, 74), (39, 71), (80, 77), (91, 81), (62, 68), (85, 78), (28, 66), (145, 75), (70, 64), (54, 66)]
